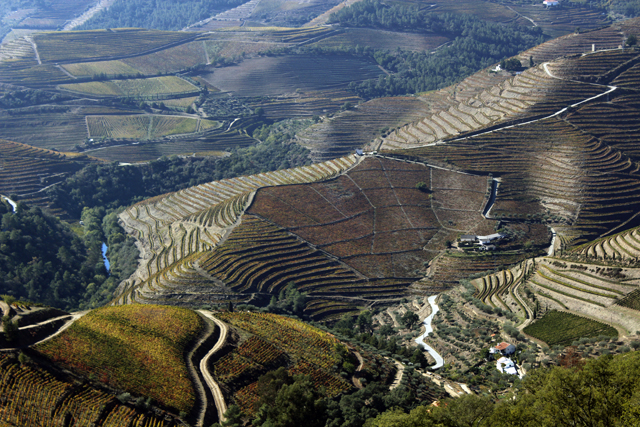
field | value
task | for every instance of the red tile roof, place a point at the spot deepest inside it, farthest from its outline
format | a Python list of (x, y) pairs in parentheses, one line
[(502, 346)]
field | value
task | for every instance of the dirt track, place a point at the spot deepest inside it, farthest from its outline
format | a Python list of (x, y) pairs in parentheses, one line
[(213, 386)]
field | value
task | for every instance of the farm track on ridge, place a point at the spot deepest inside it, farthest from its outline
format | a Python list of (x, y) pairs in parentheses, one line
[(211, 383)]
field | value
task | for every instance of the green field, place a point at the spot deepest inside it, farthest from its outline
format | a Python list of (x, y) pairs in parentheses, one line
[(181, 103), (109, 68), (168, 85), (144, 126), (560, 328)]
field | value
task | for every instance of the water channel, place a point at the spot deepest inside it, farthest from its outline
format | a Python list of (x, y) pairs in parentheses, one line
[(104, 256), (427, 324)]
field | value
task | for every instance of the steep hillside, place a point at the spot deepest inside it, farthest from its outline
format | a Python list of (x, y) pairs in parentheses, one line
[(581, 174), (32, 395), (362, 235), (267, 342), (27, 171)]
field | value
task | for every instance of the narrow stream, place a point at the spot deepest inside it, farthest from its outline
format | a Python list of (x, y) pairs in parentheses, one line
[(11, 202), (427, 324), (104, 257)]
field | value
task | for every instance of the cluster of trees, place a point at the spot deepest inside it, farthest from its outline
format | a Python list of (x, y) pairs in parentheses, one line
[(475, 44), (27, 97), (157, 14), (224, 107), (43, 260), (112, 186), (600, 392), (287, 401), (630, 8), (289, 301), (101, 227)]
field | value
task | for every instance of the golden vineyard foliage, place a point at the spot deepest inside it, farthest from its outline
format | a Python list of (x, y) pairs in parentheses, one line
[(31, 396), (137, 348), (283, 341), (290, 335)]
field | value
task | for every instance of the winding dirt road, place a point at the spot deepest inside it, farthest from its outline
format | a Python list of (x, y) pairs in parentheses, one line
[(72, 318), (221, 406), (204, 403)]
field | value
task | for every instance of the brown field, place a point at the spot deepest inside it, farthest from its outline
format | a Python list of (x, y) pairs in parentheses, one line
[(369, 226)]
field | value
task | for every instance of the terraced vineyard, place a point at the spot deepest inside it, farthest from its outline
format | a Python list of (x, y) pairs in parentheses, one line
[(594, 66), (572, 44), (359, 239), (152, 362), (54, 15), (584, 186), (270, 76), (313, 103), (560, 328), (30, 393), (211, 140), (531, 93), (175, 229), (26, 171), (559, 21), (504, 290), (354, 128), (373, 218), (109, 68), (585, 289), (620, 247), (277, 341)]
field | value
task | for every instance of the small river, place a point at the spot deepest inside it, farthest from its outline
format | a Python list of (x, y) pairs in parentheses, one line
[(427, 324), (104, 256), (11, 202)]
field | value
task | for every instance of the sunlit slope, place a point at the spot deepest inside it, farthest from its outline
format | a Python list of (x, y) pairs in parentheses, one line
[(576, 169)]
